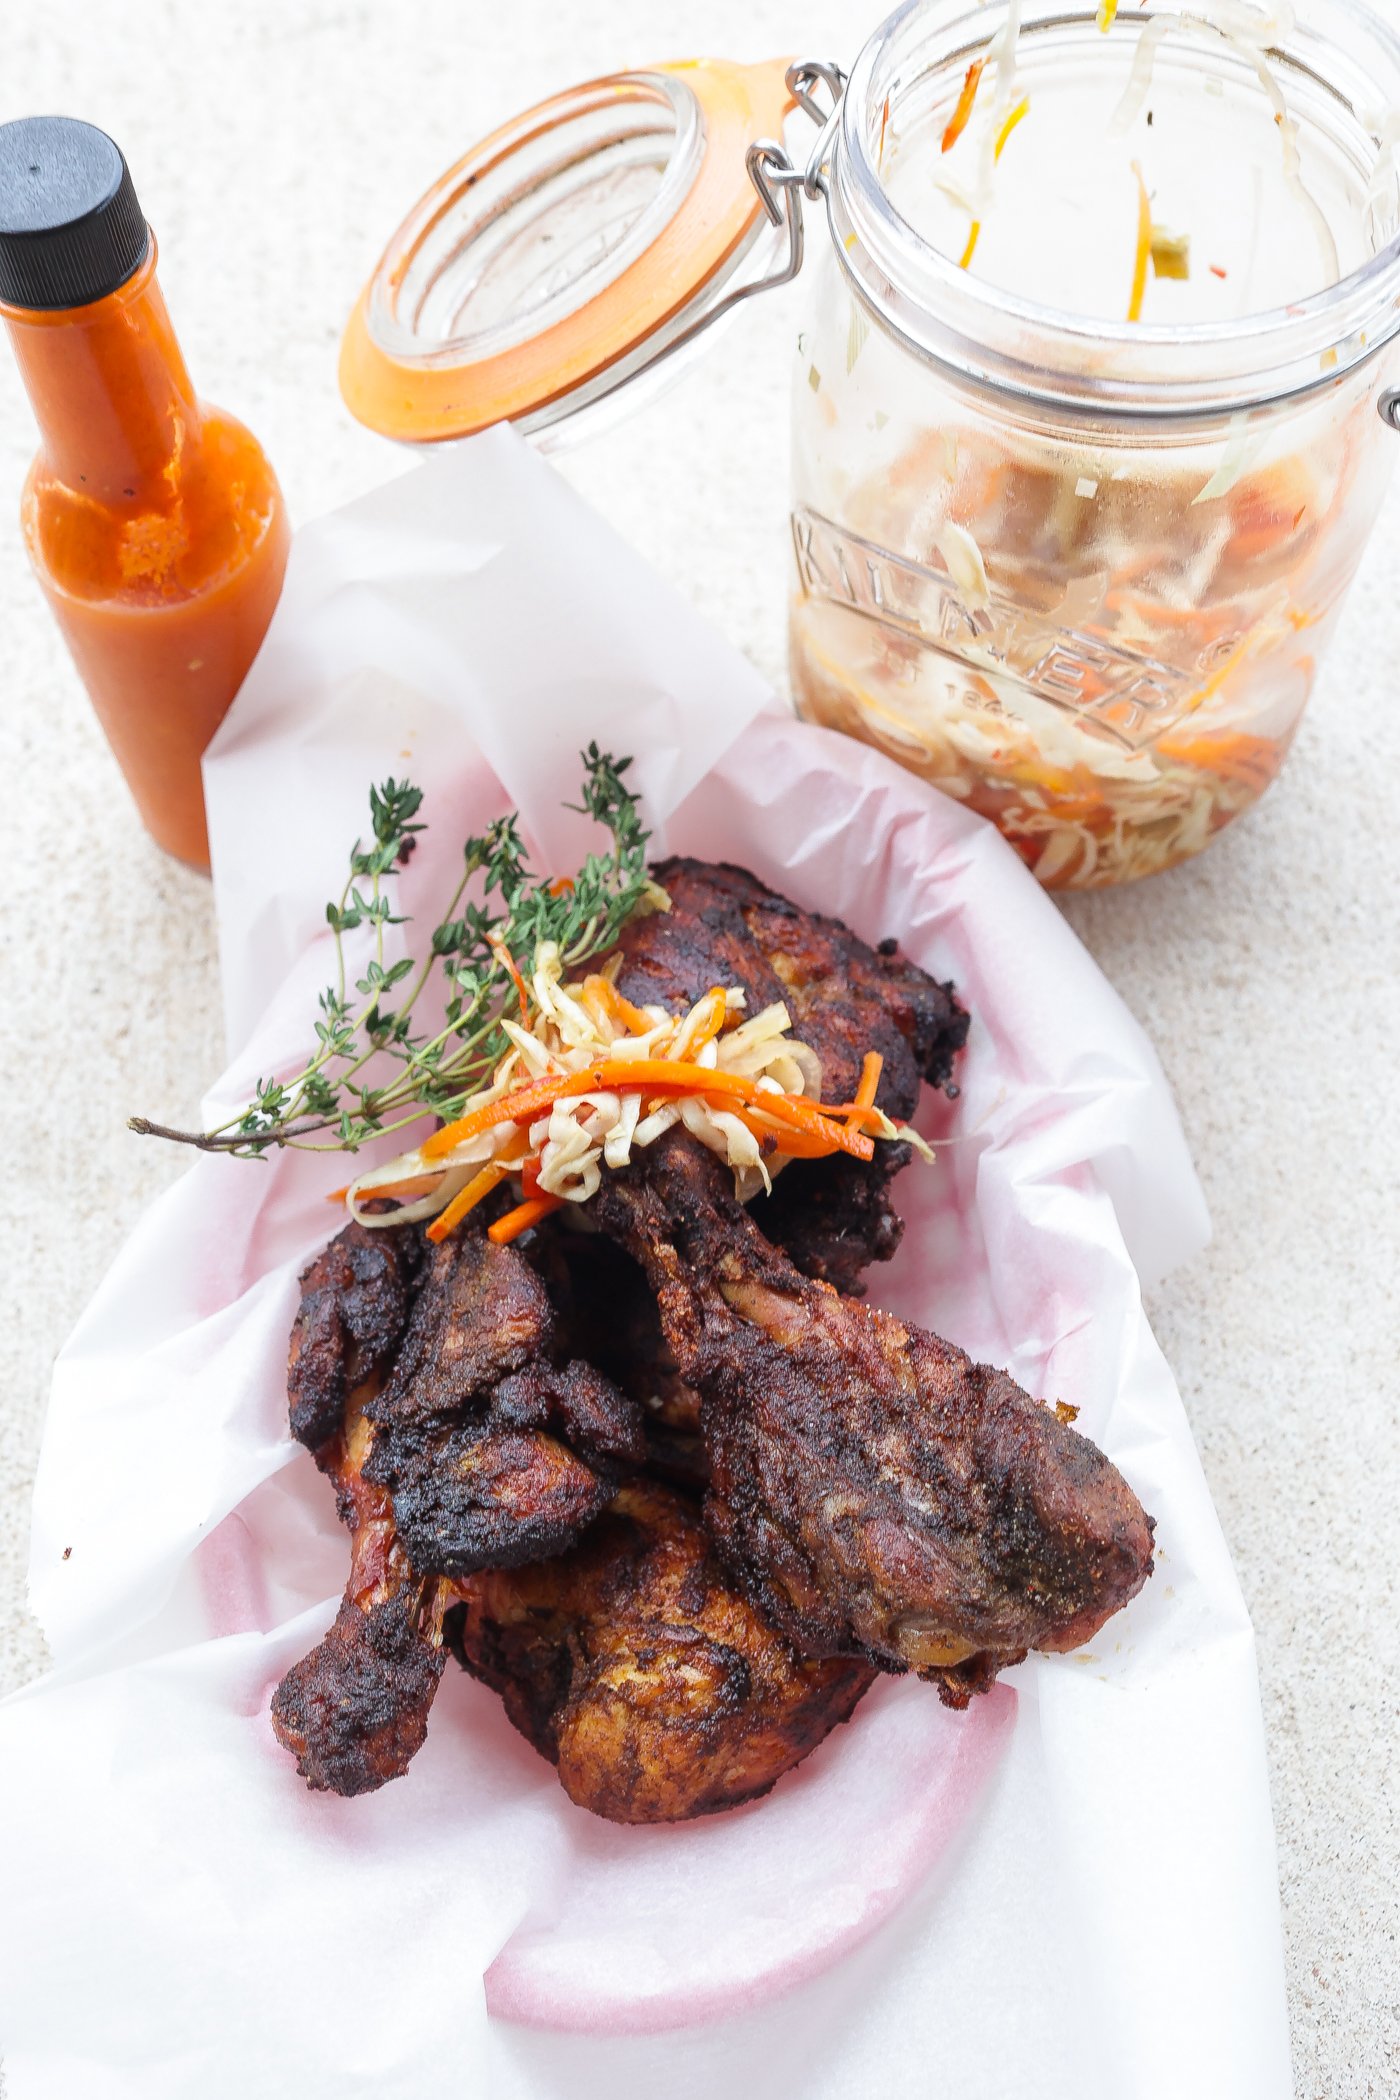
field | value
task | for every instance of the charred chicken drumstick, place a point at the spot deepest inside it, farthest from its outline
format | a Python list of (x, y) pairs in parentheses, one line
[(442, 1464), (638, 1669), (833, 1216), (355, 1710), (875, 1491)]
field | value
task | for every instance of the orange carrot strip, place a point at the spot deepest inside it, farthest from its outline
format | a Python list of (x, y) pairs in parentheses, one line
[(794, 1111), (1249, 761), (957, 123), (649, 1075), (870, 1072), (522, 1106), (621, 1010), (508, 963), (861, 1108), (596, 1004), (522, 1218), (795, 1144), (561, 885), (723, 1089), (466, 1199), (714, 1020), (857, 1115), (1144, 247)]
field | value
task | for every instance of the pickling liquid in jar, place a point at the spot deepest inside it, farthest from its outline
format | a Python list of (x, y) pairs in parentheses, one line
[(1096, 626)]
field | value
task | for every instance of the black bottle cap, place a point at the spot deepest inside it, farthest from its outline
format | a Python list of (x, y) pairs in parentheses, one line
[(71, 229)]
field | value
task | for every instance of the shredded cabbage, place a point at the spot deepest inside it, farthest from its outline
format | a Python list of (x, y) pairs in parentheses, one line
[(965, 565), (1242, 448)]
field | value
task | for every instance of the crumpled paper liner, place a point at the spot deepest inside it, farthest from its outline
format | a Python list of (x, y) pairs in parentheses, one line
[(1069, 1890)]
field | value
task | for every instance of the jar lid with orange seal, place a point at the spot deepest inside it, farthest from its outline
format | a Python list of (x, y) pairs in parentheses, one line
[(581, 247)]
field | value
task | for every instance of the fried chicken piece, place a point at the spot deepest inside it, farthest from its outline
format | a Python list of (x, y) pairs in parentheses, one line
[(845, 998), (642, 1674), (609, 1316), (493, 1452), (725, 927), (355, 1710), (835, 1217), (425, 1384), (875, 1491), (355, 1299)]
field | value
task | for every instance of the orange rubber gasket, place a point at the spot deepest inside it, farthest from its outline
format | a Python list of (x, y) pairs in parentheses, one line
[(429, 399)]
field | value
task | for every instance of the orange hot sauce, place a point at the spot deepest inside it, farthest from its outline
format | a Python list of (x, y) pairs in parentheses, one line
[(154, 522)]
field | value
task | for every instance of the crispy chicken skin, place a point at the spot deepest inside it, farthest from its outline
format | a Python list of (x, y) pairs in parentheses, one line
[(608, 1316), (492, 1452), (833, 1216), (355, 1710), (635, 1666), (875, 1491), (355, 1299), (451, 1447)]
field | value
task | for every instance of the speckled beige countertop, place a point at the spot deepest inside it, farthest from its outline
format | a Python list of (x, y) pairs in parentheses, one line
[(274, 144)]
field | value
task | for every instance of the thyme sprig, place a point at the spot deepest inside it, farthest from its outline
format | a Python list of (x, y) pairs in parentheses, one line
[(373, 1070)]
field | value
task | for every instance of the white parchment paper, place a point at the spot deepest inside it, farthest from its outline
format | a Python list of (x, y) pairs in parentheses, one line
[(1068, 1891)]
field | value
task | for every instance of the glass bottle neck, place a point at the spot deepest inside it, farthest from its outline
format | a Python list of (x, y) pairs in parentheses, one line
[(109, 388)]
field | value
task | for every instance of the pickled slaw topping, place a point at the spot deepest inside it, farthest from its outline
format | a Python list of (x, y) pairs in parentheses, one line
[(578, 1081), (592, 1079)]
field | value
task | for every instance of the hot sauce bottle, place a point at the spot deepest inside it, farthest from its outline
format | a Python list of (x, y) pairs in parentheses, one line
[(154, 521)]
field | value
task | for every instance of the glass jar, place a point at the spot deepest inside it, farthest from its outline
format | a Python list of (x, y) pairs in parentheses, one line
[(1081, 574), (1077, 573)]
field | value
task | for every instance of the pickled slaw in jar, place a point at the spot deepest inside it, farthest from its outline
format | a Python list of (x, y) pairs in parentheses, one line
[(1108, 657), (1039, 568)]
